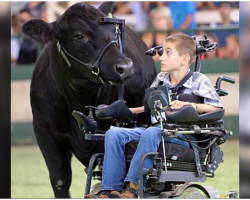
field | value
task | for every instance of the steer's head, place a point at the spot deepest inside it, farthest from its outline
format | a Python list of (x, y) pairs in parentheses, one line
[(81, 33)]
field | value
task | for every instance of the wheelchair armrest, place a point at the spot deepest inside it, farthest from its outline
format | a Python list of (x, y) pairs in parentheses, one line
[(84, 123), (212, 116), (117, 110), (189, 114)]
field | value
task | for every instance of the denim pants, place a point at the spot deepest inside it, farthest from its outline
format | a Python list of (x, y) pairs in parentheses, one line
[(114, 166)]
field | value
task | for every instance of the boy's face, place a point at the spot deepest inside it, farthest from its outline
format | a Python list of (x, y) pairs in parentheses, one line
[(171, 60)]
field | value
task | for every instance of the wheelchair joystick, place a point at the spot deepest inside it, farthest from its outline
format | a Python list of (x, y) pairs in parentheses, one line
[(91, 111)]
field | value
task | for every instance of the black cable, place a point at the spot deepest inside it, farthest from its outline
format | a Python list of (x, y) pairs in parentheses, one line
[(191, 142)]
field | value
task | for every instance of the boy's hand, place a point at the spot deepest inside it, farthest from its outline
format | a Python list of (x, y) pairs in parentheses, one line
[(176, 104)]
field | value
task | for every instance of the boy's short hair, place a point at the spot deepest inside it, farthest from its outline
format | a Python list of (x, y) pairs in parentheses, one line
[(184, 45)]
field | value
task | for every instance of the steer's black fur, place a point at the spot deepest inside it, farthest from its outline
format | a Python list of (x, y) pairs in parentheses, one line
[(57, 89)]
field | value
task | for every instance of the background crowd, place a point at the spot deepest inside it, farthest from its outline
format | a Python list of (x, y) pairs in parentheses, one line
[(153, 21)]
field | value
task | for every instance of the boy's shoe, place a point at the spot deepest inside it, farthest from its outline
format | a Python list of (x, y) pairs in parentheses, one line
[(99, 195), (129, 193)]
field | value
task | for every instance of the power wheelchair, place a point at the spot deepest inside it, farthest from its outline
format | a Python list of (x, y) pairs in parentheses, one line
[(176, 169)]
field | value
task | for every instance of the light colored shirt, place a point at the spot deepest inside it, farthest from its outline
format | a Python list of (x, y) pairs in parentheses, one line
[(198, 84)]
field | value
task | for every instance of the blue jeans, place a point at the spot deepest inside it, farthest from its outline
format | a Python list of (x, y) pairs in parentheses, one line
[(114, 166)]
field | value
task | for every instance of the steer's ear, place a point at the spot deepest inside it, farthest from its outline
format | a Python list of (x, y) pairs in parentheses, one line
[(107, 7), (39, 30)]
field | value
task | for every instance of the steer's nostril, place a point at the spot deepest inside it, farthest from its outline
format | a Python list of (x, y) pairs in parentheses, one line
[(119, 69)]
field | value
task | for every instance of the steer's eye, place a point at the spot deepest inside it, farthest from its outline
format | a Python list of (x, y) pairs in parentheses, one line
[(78, 37)]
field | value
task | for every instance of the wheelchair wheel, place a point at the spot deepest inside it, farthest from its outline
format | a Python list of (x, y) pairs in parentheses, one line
[(191, 193)]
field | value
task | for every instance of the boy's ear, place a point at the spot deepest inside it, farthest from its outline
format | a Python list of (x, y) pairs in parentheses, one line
[(186, 59)]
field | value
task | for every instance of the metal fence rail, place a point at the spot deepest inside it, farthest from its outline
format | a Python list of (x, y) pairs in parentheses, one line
[(22, 72), (200, 28)]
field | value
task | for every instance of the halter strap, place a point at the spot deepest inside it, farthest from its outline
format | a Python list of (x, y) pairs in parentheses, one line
[(93, 66)]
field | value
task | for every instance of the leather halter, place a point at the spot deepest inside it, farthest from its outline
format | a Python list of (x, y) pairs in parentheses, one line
[(93, 66)]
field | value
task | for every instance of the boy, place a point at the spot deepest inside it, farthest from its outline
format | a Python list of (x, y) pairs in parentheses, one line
[(179, 51)]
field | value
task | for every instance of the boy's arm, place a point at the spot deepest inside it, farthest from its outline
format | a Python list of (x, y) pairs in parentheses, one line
[(199, 107), (137, 110), (204, 108), (187, 22), (190, 10)]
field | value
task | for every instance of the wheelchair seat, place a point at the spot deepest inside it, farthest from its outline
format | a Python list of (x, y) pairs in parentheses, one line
[(174, 152)]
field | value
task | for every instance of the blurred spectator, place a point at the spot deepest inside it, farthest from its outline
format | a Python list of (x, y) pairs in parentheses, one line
[(216, 54), (24, 15), (212, 5), (15, 24), (37, 9), (95, 4), (135, 8), (150, 5), (225, 12), (15, 46), (24, 50), (205, 5), (28, 48), (232, 49), (161, 20), (183, 15)]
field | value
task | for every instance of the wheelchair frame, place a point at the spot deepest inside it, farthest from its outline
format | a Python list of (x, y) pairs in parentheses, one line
[(177, 175), (191, 172)]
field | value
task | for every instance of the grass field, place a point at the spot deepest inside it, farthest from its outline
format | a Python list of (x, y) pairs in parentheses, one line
[(30, 178)]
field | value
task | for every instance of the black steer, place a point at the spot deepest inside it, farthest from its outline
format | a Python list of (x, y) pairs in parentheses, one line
[(57, 88)]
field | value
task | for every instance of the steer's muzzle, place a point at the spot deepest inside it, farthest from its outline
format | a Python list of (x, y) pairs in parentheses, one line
[(125, 69)]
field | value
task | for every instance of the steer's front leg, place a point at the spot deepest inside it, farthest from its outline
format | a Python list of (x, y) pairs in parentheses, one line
[(57, 157)]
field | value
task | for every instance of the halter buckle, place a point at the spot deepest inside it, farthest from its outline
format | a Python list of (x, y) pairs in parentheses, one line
[(117, 30), (96, 73)]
